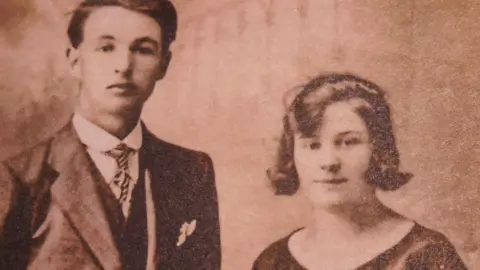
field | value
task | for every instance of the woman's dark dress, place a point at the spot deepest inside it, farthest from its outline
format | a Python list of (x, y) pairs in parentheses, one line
[(420, 249)]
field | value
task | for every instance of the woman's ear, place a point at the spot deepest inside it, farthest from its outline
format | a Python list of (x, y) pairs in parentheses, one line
[(73, 61), (165, 62)]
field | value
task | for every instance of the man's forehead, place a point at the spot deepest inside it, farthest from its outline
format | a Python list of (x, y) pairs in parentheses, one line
[(120, 23)]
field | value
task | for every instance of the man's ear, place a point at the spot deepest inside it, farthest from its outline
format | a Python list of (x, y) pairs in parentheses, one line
[(162, 71), (73, 58)]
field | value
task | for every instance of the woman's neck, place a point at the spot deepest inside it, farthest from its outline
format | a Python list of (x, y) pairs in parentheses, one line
[(350, 222), (345, 237)]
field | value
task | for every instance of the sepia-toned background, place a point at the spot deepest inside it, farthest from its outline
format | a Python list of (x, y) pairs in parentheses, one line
[(233, 61)]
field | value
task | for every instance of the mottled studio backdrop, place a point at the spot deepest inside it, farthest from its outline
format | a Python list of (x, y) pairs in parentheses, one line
[(232, 62)]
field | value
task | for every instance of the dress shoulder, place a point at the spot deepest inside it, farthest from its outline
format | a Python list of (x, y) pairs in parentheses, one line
[(422, 248), (432, 250), (277, 256)]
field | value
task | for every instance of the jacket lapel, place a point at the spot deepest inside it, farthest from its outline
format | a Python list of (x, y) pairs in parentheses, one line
[(76, 193), (159, 160)]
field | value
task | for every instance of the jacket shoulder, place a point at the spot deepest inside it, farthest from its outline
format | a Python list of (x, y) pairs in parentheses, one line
[(29, 163), (163, 148)]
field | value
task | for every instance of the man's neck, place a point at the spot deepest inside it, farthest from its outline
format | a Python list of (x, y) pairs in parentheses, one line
[(117, 125)]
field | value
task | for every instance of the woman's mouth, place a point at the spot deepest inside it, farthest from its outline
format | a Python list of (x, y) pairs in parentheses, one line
[(332, 181)]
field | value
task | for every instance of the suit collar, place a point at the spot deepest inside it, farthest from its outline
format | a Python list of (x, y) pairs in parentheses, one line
[(75, 191)]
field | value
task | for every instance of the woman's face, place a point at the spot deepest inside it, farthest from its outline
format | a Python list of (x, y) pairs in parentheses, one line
[(332, 164)]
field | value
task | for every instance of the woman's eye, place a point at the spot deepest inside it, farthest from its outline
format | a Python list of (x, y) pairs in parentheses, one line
[(314, 145), (350, 141)]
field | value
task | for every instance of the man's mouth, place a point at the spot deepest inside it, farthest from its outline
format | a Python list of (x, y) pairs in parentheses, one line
[(124, 86)]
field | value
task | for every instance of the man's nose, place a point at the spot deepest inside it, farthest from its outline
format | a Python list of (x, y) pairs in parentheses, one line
[(329, 160), (123, 62)]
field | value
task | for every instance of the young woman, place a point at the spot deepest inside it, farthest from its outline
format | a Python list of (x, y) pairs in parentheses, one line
[(337, 148)]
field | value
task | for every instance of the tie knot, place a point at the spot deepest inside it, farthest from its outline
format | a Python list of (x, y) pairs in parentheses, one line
[(120, 152)]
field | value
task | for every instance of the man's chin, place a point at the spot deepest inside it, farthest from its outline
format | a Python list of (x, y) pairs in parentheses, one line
[(124, 107)]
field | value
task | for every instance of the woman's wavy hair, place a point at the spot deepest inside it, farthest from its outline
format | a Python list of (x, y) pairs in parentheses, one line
[(304, 115)]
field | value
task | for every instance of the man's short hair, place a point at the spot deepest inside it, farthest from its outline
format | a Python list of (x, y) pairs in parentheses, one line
[(162, 11)]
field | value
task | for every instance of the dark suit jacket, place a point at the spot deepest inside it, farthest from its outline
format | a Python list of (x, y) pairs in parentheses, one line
[(52, 215)]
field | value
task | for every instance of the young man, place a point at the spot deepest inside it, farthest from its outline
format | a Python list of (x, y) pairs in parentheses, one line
[(104, 192)]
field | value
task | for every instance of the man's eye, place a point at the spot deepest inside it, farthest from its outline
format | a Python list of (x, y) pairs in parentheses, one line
[(314, 146), (106, 48), (145, 50)]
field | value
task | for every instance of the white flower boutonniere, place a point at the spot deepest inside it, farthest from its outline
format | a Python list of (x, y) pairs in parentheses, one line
[(185, 231)]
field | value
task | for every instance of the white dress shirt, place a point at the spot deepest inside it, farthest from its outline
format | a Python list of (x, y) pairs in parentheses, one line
[(98, 141)]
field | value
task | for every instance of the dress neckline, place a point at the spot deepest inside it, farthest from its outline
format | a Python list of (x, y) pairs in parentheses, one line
[(385, 256)]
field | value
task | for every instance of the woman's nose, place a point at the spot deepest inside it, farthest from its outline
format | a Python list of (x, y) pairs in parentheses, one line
[(329, 160)]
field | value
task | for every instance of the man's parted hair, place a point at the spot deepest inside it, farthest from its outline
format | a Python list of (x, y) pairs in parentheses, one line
[(162, 11)]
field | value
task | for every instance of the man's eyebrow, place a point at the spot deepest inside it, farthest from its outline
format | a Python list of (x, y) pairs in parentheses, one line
[(108, 37)]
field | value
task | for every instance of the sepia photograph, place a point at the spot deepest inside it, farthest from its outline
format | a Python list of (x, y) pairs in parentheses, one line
[(239, 134)]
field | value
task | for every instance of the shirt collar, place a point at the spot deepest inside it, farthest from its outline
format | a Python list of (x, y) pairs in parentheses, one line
[(100, 140)]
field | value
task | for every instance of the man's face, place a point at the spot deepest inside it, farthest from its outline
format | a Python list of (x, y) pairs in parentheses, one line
[(119, 60)]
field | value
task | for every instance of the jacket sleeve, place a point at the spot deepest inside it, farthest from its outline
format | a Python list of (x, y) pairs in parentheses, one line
[(209, 202), (15, 216)]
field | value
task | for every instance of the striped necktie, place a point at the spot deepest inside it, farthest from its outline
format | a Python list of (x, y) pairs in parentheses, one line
[(122, 179)]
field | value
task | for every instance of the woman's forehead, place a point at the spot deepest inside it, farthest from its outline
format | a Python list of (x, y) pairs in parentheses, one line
[(340, 118)]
